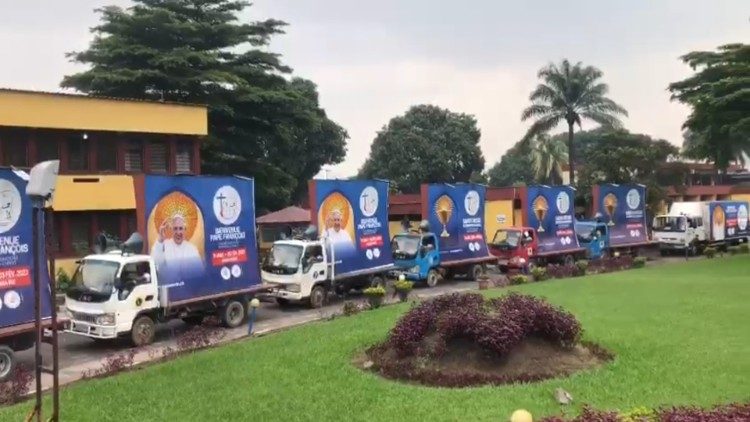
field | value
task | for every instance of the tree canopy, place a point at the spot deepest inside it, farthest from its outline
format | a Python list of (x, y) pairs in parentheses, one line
[(719, 95), (513, 169), (547, 157), (262, 123), (570, 93), (426, 144)]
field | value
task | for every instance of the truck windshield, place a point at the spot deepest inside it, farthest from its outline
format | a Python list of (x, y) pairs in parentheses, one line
[(585, 232), (405, 246), (670, 224), (96, 275), (283, 257), (507, 238)]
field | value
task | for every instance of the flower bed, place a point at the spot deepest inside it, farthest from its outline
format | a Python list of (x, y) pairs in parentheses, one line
[(723, 413), (462, 339)]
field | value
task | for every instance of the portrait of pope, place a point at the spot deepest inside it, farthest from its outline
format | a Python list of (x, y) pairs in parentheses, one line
[(176, 258)]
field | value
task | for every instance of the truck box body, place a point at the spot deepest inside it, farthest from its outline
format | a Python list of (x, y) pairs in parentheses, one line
[(550, 211), (16, 255), (456, 216), (352, 219), (728, 220), (623, 209), (218, 253)]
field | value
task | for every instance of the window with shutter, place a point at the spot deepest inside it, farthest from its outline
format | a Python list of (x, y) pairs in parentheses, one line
[(134, 156), (184, 157), (159, 162), (78, 154), (106, 155)]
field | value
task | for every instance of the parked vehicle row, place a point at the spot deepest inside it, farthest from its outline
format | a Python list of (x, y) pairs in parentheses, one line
[(195, 252)]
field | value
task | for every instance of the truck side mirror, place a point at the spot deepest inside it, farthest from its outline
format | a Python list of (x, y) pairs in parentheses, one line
[(318, 259)]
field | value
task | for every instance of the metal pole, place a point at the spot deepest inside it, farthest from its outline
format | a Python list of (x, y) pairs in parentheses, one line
[(37, 313), (48, 230)]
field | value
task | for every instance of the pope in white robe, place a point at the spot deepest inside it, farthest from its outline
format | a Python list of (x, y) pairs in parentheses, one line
[(336, 235), (176, 259)]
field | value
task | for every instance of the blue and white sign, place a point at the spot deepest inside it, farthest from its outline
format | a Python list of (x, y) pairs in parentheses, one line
[(352, 216), (623, 209), (456, 215), (201, 233), (549, 210), (16, 255)]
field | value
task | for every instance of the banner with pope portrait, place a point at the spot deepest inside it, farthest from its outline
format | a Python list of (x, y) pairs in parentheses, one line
[(352, 219), (200, 231)]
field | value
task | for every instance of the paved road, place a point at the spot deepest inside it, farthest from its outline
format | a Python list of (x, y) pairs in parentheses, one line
[(77, 351)]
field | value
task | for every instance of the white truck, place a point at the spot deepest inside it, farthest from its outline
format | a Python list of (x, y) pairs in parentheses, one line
[(300, 270), (351, 250), (692, 226), (203, 261)]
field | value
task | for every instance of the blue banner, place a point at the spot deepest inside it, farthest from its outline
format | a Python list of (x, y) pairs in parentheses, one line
[(352, 216), (16, 254), (729, 219), (550, 211), (201, 234), (623, 209), (456, 215)]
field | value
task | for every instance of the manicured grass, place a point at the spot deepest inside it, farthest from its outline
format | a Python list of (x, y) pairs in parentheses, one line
[(681, 333)]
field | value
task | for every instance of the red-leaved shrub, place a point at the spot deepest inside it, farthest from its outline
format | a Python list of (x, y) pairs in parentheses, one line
[(724, 413), (17, 386)]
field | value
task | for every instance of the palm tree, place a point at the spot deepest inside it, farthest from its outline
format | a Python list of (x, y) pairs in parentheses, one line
[(570, 93), (547, 158)]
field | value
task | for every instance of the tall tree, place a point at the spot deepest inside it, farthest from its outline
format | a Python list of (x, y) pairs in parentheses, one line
[(624, 157), (514, 168), (719, 95), (547, 157), (570, 93), (261, 123), (427, 144)]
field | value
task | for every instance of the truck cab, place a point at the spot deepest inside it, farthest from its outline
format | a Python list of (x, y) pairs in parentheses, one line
[(594, 237), (296, 270), (109, 291), (514, 247), (677, 232), (417, 256)]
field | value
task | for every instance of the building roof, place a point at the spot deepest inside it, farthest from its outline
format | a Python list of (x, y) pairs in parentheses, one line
[(47, 110), (287, 215), (405, 204)]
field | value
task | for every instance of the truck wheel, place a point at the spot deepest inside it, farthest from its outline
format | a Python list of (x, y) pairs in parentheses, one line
[(233, 314), (193, 320), (432, 278), (377, 281), (476, 271), (318, 297), (282, 302), (143, 331), (7, 362)]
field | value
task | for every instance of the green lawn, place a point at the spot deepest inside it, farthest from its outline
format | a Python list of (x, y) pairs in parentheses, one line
[(681, 333)]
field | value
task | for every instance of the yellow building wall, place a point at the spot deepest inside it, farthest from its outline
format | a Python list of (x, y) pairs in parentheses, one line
[(497, 215), (94, 192), (394, 227), (78, 112), (741, 197)]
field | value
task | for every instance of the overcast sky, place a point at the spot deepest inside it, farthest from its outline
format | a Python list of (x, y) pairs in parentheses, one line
[(372, 60)]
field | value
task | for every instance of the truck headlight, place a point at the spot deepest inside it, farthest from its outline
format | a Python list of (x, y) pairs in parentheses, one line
[(414, 269), (105, 319), (292, 288)]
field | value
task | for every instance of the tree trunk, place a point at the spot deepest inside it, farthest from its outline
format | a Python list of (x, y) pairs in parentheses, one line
[(570, 155)]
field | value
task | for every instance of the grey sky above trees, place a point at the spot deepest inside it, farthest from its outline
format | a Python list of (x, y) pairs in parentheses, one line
[(372, 61)]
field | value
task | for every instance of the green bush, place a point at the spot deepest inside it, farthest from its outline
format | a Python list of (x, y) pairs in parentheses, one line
[(403, 285), (582, 266), (640, 414), (376, 291), (539, 273), (639, 262), (734, 250), (63, 281), (710, 252), (744, 248), (519, 279)]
